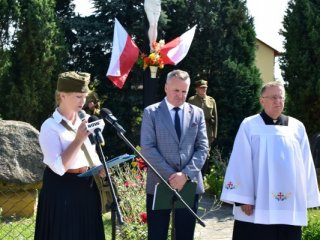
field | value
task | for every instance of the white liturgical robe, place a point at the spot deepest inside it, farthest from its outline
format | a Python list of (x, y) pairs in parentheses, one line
[(271, 167)]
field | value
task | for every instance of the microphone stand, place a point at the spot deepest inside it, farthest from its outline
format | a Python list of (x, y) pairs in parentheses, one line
[(115, 209), (177, 196)]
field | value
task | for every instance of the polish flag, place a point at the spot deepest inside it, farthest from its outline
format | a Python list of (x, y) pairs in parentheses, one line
[(173, 52), (124, 54)]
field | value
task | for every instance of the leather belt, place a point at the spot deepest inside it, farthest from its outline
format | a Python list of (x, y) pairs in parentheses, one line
[(78, 170)]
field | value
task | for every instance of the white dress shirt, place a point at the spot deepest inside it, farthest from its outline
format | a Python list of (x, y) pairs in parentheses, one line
[(54, 138), (173, 112)]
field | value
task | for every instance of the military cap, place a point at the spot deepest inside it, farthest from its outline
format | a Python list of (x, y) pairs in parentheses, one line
[(73, 82), (92, 97), (201, 83)]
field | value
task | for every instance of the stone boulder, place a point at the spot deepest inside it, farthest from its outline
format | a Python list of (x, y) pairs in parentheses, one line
[(21, 168)]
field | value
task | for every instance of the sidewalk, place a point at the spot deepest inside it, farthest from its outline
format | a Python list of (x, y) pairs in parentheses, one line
[(217, 217)]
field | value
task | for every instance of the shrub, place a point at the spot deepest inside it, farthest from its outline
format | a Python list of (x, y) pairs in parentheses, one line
[(130, 180), (312, 231), (214, 180)]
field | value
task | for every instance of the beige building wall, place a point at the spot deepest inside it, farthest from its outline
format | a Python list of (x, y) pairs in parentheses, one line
[(265, 59)]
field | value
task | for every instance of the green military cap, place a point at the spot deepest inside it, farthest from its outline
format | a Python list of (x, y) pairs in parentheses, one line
[(73, 82), (201, 83)]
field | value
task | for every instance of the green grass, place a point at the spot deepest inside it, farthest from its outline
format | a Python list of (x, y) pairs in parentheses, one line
[(18, 229), (23, 228)]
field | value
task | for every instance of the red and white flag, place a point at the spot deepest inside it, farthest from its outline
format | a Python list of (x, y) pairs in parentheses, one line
[(173, 52), (124, 54)]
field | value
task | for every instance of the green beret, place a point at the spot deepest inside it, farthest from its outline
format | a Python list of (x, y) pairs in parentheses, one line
[(201, 83), (73, 82)]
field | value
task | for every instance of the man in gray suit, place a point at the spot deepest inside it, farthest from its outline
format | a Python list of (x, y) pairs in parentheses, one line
[(174, 141)]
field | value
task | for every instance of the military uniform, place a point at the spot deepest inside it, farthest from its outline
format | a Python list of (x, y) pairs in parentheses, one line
[(208, 104), (92, 105), (209, 107)]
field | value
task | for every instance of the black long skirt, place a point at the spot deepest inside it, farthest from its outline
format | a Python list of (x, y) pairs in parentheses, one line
[(68, 209)]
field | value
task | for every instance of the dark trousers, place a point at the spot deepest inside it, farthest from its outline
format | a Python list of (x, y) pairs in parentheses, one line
[(253, 231), (158, 222)]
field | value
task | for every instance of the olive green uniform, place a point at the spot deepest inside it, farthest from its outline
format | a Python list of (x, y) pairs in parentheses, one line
[(93, 98), (208, 104)]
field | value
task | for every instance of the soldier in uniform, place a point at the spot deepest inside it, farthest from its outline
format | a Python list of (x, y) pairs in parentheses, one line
[(92, 105), (208, 104)]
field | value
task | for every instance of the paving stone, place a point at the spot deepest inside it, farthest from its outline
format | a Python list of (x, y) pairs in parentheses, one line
[(217, 217)]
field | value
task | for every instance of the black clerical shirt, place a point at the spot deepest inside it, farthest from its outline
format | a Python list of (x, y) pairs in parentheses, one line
[(281, 120)]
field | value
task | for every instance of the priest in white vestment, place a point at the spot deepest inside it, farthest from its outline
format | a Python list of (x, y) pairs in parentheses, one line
[(270, 178)]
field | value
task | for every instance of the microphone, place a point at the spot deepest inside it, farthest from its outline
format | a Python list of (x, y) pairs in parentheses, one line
[(97, 123), (82, 115), (97, 131), (108, 116)]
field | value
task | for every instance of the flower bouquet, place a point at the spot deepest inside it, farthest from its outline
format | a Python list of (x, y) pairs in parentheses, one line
[(154, 59)]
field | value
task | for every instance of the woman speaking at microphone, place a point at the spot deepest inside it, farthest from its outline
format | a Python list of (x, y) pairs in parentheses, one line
[(69, 206)]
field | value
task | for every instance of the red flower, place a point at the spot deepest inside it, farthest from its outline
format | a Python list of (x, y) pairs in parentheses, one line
[(138, 177), (128, 184), (130, 219), (143, 217), (154, 58), (141, 164)]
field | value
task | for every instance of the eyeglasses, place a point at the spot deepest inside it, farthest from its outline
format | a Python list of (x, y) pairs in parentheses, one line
[(275, 98)]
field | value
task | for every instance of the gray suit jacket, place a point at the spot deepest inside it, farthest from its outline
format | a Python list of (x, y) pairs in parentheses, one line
[(161, 147)]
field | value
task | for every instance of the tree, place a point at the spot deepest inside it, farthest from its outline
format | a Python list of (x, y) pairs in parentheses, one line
[(9, 14), (300, 61), (35, 57)]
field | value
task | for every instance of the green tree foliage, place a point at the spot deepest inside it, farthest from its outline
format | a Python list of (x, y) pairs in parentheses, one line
[(300, 61), (9, 13), (35, 60)]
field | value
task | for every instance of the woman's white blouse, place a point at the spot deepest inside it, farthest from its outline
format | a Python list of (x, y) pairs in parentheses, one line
[(54, 138)]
